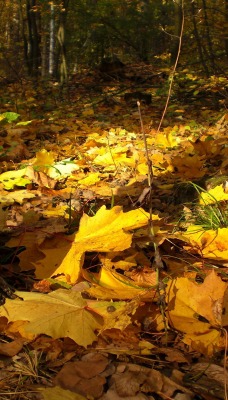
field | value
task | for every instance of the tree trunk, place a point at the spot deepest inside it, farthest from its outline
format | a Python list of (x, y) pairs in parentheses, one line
[(62, 46), (178, 4), (52, 40), (208, 37), (34, 58), (25, 41), (198, 39)]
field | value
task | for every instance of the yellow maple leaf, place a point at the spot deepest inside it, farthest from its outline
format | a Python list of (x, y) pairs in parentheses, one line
[(213, 195), (122, 293), (108, 230), (54, 252), (207, 343), (142, 168), (12, 178), (115, 157), (44, 160), (209, 244), (116, 315), (167, 139), (91, 179), (196, 310), (110, 284), (55, 314), (188, 165)]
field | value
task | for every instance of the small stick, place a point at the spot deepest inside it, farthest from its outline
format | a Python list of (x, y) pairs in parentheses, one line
[(174, 68), (158, 264)]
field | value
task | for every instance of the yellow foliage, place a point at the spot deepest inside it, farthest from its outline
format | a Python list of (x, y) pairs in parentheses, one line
[(167, 139), (91, 179), (44, 160), (196, 310), (209, 244), (13, 178), (109, 284), (108, 230), (56, 314), (188, 166), (213, 195)]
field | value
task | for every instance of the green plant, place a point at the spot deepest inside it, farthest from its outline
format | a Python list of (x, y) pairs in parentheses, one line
[(29, 365), (209, 216), (212, 216)]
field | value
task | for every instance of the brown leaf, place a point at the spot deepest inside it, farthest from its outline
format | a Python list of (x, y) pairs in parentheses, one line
[(83, 376), (12, 348)]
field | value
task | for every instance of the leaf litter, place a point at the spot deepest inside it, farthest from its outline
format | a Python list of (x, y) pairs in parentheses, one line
[(92, 317)]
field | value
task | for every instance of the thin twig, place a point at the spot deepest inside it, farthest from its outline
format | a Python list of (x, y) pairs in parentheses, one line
[(174, 68), (158, 264)]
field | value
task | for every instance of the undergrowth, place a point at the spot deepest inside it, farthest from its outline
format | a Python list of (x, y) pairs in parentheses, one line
[(208, 216)]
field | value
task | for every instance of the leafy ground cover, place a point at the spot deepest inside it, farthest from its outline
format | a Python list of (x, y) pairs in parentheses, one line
[(112, 289)]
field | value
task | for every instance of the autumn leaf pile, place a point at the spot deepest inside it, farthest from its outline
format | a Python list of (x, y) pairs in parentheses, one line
[(74, 207)]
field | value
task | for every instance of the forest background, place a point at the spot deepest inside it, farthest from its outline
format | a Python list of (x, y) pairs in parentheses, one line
[(58, 39)]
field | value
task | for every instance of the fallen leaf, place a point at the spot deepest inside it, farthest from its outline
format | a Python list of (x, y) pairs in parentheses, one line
[(84, 377), (111, 285), (14, 178), (12, 348), (44, 160), (57, 393), (18, 196), (58, 314), (116, 315), (108, 230), (196, 310), (209, 244), (213, 195), (90, 180)]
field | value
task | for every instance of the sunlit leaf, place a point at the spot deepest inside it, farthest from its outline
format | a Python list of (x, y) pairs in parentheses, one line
[(210, 244), (14, 178), (108, 230), (58, 314), (10, 116), (111, 285), (90, 180), (214, 195), (44, 160), (196, 310)]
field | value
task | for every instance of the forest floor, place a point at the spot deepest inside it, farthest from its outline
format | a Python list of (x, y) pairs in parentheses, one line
[(113, 237)]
